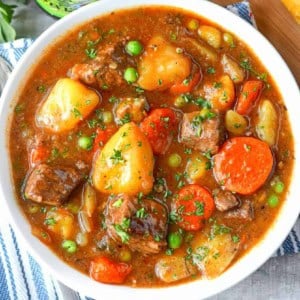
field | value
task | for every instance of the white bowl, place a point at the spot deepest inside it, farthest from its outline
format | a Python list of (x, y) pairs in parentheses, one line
[(197, 289)]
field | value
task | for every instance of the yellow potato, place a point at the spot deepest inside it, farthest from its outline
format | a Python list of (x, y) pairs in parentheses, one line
[(232, 68), (196, 168), (267, 124), (68, 103), (221, 93), (161, 66), (125, 165), (213, 256), (211, 35), (173, 268), (204, 50), (235, 123), (60, 222)]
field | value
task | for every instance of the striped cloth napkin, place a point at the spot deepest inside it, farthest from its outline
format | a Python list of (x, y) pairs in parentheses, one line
[(21, 277)]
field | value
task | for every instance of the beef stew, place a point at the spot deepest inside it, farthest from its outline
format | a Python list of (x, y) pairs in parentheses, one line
[(153, 148)]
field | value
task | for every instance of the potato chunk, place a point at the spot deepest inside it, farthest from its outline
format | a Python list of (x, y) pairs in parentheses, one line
[(174, 268), (211, 35), (232, 68), (125, 165), (60, 222), (267, 124), (68, 103), (161, 66), (212, 256), (221, 93), (196, 168), (235, 123)]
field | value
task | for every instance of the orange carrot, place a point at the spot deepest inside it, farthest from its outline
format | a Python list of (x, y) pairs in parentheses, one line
[(250, 92), (38, 155), (187, 85), (159, 127), (103, 135), (193, 206), (243, 164), (105, 270)]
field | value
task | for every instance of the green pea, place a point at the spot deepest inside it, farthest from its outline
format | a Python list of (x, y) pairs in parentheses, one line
[(273, 201), (33, 209), (179, 102), (174, 160), (69, 246), (85, 142), (125, 255), (107, 117), (193, 24), (131, 75), (278, 187), (174, 240), (134, 48)]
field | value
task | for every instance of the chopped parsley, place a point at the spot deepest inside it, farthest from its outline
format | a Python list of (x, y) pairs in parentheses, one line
[(199, 208), (122, 233), (235, 238), (245, 64), (41, 88), (125, 119), (211, 70), (117, 157), (91, 53), (50, 221), (77, 113), (141, 213), (118, 203)]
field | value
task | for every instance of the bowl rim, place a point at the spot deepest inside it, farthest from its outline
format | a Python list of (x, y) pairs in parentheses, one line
[(249, 262)]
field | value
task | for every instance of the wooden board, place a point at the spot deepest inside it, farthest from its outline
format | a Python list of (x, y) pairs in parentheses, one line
[(278, 26)]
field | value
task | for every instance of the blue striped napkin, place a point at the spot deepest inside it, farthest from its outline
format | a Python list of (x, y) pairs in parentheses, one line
[(21, 277)]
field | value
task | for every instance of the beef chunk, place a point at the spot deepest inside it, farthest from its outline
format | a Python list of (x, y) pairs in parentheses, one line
[(141, 224), (102, 70), (225, 200), (244, 212), (131, 109), (51, 185), (200, 133)]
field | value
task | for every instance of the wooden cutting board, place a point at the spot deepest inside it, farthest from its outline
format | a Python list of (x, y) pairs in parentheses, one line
[(278, 26)]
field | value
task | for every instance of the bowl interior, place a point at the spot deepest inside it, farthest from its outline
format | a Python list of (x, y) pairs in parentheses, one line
[(198, 289)]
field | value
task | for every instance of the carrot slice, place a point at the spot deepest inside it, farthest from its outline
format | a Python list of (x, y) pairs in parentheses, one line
[(159, 127), (38, 155), (243, 164), (103, 135), (186, 85), (105, 270), (250, 91), (193, 206)]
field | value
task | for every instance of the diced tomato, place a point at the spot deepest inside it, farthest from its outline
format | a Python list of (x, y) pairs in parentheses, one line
[(188, 84), (159, 127), (38, 154), (250, 91), (103, 135), (193, 206), (105, 270)]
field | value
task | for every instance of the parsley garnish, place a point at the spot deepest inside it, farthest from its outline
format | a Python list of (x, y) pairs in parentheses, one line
[(91, 53), (141, 213), (117, 157), (211, 70)]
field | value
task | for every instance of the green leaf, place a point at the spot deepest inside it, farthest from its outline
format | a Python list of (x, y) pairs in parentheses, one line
[(7, 11), (7, 32)]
